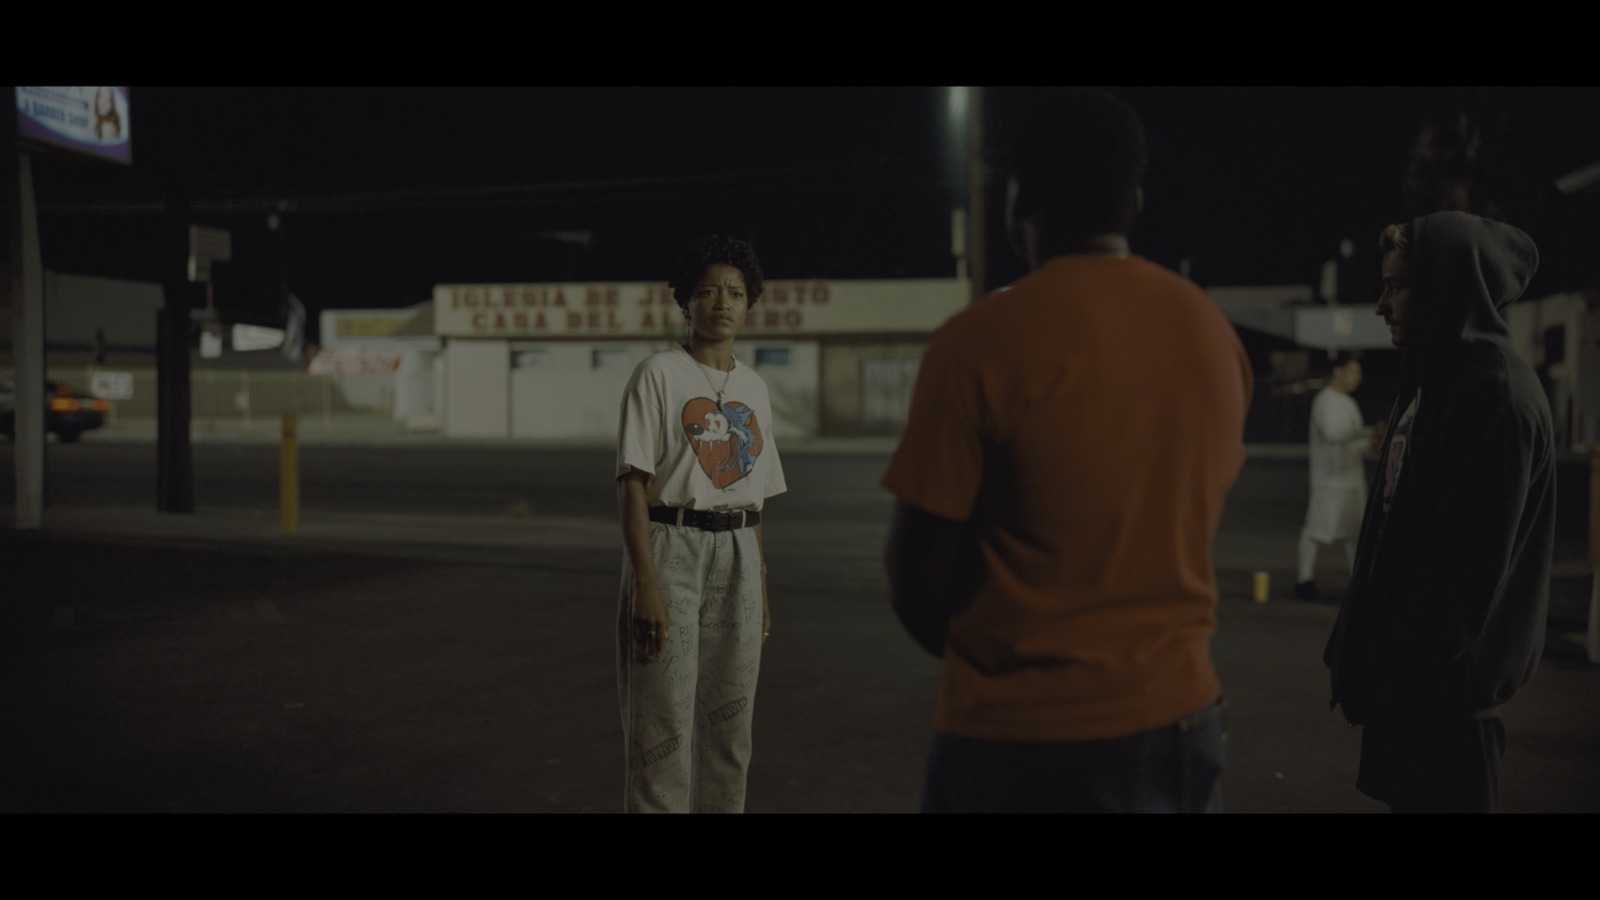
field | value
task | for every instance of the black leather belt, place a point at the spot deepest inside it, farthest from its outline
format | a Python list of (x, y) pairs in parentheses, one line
[(705, 519)]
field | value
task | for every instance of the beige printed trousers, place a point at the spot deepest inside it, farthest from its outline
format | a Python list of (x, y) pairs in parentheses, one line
[(686, 716)]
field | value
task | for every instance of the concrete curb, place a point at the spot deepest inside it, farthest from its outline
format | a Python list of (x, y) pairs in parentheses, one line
[(400, 533), (311, 434), (385, 433)]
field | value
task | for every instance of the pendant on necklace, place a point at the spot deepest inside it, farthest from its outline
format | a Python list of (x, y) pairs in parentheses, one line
[(732, 362)]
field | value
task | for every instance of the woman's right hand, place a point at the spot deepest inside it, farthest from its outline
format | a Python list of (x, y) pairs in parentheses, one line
[(649, 623)]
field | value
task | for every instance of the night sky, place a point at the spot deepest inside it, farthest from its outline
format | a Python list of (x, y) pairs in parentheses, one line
[(387, 191)]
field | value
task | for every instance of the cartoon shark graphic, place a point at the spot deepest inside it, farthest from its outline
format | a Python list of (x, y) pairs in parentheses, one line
[(727, 438)]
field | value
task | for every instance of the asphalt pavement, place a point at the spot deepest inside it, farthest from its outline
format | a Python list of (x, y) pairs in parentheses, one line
[(387, 662)]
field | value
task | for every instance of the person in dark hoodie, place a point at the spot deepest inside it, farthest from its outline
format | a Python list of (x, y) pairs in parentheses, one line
[(1445, 614)]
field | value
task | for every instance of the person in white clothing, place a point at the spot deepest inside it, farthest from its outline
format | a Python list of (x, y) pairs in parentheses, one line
[(696, 461), (1338, 439)]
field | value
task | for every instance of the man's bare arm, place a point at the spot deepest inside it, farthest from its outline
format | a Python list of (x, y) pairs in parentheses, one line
[(650, 610), (935, 567)]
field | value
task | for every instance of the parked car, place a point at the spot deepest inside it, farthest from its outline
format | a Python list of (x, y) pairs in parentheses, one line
[(68, 413)]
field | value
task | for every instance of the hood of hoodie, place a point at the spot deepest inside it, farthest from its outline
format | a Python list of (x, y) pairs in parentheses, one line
[(1465, 269)]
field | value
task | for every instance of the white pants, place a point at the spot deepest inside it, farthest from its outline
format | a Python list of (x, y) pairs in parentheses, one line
[(1308, 554), (1334, 515), (686, 716)]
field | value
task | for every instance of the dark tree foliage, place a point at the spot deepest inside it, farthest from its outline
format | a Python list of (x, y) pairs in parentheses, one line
[(1468, 157)]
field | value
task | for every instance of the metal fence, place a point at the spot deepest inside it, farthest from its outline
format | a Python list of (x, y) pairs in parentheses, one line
[(226, 397)]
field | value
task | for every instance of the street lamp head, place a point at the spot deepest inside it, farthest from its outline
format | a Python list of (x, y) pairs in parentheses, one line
[(958, 105)]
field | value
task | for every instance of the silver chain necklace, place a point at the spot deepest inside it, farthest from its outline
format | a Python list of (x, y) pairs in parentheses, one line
[(725, 377)]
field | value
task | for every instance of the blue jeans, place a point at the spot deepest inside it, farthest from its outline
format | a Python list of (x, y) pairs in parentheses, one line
[(1176, 768)]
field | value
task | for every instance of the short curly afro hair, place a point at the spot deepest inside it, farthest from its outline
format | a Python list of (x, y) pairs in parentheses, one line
[(705, 252), (1080, 157)]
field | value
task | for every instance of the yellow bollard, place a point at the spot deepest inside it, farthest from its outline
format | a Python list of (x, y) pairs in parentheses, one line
[(1261, 587), (1594, 506), (289, 478)]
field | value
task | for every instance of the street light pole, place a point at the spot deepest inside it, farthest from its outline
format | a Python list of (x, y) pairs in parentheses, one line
[(25, 287), (964, 142), (975, 186), (174, 398)]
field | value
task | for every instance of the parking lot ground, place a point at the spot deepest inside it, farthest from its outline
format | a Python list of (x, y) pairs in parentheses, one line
[(208, 665)]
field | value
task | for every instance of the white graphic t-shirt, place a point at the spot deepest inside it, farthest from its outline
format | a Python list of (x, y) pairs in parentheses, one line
[(700, 453), (1398, 445), (1338, 437)]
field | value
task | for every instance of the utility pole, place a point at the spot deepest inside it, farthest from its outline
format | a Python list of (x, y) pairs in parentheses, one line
[(174, 456), (24, 285), (975, 188), (1328, 290)]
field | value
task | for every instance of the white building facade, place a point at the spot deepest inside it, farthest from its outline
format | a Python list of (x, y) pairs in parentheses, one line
[(358, 344), (550, 361)]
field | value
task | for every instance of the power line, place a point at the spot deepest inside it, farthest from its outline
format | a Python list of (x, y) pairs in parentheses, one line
[(885, 174)]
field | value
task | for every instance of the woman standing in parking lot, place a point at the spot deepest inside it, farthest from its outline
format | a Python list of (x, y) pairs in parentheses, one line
[(695, 463)]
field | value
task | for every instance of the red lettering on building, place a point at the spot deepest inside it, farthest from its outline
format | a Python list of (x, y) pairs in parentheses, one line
[(591, 297), (561, 299), (519, 321), (574, 321), (480, 321), (539, 323), (791, 318), (612, 321), (649, 320), (611, 296), (594, 320), (499, 321), (779, 295), (771, 320), (819, 294)]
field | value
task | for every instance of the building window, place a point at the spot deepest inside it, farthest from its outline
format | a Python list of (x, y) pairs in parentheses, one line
[(531, 359), (886, 385), (772, 357)]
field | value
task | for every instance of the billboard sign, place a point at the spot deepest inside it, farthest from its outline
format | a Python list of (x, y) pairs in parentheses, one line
[(648, 310), (111, 385), (356, 359), (90, 120)]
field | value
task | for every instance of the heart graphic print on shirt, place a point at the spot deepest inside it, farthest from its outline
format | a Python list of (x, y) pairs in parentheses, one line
[(726, 439)]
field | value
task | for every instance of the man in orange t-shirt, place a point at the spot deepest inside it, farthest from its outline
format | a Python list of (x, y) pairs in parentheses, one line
[(1070, 443)]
